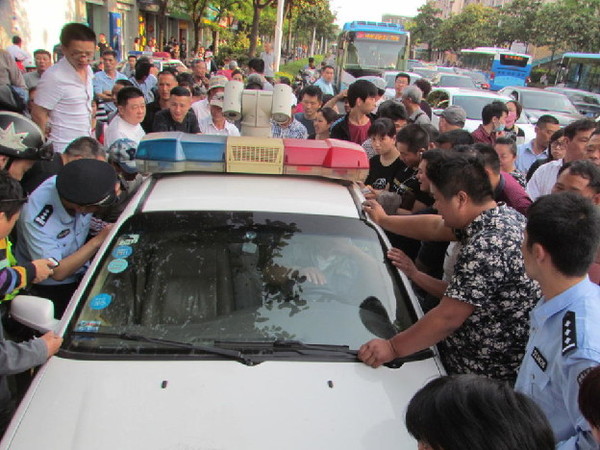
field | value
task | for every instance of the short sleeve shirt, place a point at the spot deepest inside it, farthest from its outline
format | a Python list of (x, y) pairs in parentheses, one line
[(490, 275), (69, 100), (119, 129), (381, 176), (359, 133), (102, 82), (294, 131)]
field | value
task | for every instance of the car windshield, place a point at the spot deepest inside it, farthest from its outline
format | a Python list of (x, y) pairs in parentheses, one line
[(472, 104), (456, 81), (205, 278), (427, 73), (547, 101)]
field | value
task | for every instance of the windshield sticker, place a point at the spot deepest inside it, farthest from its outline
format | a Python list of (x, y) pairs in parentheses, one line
[(117, 265), (88, 325), (100, 301), (128, 239), (122, 251)]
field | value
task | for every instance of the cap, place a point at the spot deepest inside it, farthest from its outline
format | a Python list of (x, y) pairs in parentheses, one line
[(454, 115), (87, 182), (218, 81), (208, 55), (22, 138), (122, 152), (377, 81), (218, 100)]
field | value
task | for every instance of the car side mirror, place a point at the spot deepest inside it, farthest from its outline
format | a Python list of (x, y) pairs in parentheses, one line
[(34, 312)]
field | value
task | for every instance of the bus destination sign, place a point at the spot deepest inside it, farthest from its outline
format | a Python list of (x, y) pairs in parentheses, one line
[(377, 36)]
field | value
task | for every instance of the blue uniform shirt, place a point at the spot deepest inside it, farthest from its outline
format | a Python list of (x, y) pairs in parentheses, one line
[(103, 82), (564, 343), (46, 229)]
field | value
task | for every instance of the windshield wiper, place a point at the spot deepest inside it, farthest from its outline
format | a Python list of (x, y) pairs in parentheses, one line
[(231, 354)]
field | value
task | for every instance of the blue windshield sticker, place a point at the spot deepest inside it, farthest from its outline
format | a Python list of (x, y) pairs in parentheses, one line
[(100, 301), (88, 325), (122, 251), (117, 265)]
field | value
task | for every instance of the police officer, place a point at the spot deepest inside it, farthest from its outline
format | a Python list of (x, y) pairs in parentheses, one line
[(562, 237), (21, 144), (55, 223)]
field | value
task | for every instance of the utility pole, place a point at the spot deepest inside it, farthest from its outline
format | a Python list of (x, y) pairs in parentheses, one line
[(278, 35)]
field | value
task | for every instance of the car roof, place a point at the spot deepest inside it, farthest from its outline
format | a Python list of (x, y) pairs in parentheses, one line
[(529, 89), (236, 192), (454, 91)]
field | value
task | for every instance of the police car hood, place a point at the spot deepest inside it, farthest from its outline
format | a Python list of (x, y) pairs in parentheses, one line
[(217, 405)]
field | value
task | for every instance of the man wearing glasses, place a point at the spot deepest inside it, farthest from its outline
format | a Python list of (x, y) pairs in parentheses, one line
[(63, 103), (55, 223)]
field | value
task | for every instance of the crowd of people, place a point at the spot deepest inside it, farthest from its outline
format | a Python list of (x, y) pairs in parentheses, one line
[(499, 236)]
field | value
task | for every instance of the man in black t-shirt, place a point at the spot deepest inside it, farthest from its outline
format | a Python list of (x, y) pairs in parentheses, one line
[(179, 115)]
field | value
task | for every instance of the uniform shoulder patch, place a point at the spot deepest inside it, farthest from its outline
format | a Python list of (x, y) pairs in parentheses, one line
[(44, 215), (539, 359), (569, 333)]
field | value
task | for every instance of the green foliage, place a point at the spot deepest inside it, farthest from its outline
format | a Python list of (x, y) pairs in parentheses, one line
[(518, 22), (295, 66), (425, 26), (473, 27)]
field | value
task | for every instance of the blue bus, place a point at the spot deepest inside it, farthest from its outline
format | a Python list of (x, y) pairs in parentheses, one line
[(581, 71), (370, 48), (500, 66)]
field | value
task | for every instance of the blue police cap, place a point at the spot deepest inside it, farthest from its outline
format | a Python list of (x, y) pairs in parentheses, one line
[(87, 182)]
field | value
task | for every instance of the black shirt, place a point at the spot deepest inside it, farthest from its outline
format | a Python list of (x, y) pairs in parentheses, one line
[(164, 122), (407, 185), (309, 124), (380, 176), (151, 109), (40, 172)]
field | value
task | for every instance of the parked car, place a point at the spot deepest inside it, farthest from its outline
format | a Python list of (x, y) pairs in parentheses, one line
[(428, 72), (460, 81), (225, 310), (472, 101), (390, 80), (478, 78), (537, 102), (587, 103)]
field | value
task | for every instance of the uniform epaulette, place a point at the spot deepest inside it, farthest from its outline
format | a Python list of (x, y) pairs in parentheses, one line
[(569, 333)]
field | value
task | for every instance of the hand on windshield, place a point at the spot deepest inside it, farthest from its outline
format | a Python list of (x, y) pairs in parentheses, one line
[(374, 210), (376, 352), (402, 262)]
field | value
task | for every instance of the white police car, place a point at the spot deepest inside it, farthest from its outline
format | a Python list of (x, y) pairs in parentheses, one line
[(226, 309)]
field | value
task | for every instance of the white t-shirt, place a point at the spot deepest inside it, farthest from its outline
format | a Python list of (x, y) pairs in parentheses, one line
[(544, 179), (119, 129), (208, 127), (202, 109), (69, 100)]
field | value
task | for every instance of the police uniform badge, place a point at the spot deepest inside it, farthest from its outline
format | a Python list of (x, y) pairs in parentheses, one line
[(569, 333), (44, 215)]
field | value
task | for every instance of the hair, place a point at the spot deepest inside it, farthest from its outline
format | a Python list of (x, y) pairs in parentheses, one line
[(508, 141), (285, 80), (329, 114), (579, 125), (381, 128), (127, 93), (567, 225), (16, 40), (473, 412), (327, 66), (432, 131), (455, 137), (124, 83), (518, 107), (41, 51), (132, 56), (361, 89), (584, 169), (491, 110), (313, 91), (180, 91), (424, 85), (414, 136), (589, 396), (412, 93), (142, 68), (76, 32), (109, 53), (457, 172), (311, 59), (184, 78), (257, 64), (547, 118), (10, 189), (489, 157), (85, 147), (236, 71), (433, 156), (596, 131), (403, 75), (392, 109), (555, 137)]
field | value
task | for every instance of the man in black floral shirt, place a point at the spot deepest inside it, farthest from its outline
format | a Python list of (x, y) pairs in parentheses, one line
[(481, 322)]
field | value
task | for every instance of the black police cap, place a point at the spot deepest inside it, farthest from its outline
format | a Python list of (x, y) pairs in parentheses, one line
[(87, 182)]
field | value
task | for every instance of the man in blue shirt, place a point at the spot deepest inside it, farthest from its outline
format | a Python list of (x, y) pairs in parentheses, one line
[(537, 148), (562, 237), (105, 80), (326, 81)]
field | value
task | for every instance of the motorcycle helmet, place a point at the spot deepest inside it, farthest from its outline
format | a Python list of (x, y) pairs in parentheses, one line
[(21, 138)]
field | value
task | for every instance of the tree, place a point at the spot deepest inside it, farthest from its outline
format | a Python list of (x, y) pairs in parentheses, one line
[(517, 22), (425, 26), (556, 32), (196, 10), (257, 6), (475, 26)]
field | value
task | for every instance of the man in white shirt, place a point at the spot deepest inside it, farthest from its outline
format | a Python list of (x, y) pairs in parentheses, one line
[(216, 123), (63, 100), (20, 55), (126, 124), (268, 58), (577, 134), (201, 108)]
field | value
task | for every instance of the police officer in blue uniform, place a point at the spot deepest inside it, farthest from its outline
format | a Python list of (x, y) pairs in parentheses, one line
[(55, 223), (562, 237)]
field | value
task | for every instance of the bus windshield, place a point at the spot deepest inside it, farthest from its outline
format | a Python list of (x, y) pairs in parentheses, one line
[(376, 54)]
